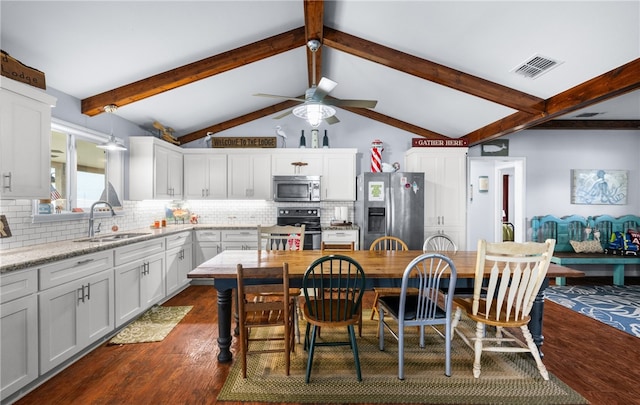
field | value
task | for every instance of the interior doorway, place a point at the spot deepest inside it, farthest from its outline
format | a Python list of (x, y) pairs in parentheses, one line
[(485, 204)]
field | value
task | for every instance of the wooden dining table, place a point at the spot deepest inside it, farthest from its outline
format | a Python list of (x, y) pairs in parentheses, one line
[(382, 269)]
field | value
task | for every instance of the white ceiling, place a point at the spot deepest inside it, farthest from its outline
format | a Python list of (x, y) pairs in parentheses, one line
[(89, 47)]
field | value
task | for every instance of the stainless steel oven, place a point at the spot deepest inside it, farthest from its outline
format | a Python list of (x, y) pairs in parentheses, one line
[(296, 188), (297, 216)]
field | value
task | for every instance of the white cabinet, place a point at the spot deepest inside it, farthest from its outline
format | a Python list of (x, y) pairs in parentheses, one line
[(445, 172), (76, 306), (205, 175), (208, 243), (282, 162), (179, 260), (249, 175), (25, 138), (240, 239), (341, 236), (140, 278), (339, 176), (156, 169), (19, 328)]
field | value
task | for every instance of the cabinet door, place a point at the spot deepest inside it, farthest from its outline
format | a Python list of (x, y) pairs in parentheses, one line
[(25, 137), (195, 177), (217, 176), (153, 281), (178, 264), (19, 347), (339, 177), (129, 301), (249, 176), (282, 163), (73, 315), (174, 174)]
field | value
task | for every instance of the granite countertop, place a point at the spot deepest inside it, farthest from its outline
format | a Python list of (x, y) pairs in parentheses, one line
[(22, 258)]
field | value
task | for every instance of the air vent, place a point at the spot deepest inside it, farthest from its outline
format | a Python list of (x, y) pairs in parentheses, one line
[(535, 66)]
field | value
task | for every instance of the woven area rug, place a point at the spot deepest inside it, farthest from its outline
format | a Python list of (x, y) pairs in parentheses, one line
[(617, 306), (506, 378), (152, 326)]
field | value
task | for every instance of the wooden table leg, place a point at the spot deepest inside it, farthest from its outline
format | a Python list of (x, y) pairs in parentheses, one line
[(224, 324)]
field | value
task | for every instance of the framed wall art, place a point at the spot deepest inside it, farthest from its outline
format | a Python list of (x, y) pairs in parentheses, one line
[(599, 187)]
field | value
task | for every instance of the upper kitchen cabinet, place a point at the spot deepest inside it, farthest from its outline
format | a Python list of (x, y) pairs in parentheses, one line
[(249, 174), (445, 174), (155, 169), (338, 180), (205, 174), (25, 138), (297, 161)]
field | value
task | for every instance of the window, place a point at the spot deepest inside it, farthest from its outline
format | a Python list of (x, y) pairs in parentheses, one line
[(79, 172)]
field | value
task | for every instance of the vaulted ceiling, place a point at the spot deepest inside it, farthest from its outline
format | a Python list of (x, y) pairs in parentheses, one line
[(438, 69)]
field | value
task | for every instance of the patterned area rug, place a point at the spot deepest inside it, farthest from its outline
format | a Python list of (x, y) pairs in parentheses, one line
[(152, 326), (506, 378), (617, 306)]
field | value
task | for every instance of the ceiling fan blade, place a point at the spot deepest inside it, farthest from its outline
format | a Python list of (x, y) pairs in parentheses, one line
[(351, 103), (332, 120), (283, 97), (284, 114), (324, 87)]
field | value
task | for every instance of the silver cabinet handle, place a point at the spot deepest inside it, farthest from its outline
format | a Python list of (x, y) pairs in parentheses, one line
[(81, 294), (88, 296), (6, 176), (81, 262)]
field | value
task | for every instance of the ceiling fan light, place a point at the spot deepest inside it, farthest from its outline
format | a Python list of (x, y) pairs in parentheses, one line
[(314, 113), (111, 144)]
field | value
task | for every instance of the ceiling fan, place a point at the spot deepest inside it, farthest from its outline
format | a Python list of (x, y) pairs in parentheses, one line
[(315, 107)]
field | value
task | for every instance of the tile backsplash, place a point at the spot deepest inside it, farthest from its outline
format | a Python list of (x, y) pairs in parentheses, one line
[(141, 214)]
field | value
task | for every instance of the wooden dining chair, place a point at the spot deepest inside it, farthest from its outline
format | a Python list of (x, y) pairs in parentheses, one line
[(284, 237), (385, 243), (337, 283), (439, 243), (281, 237), (424, 308), (518, 271), (274, 310)]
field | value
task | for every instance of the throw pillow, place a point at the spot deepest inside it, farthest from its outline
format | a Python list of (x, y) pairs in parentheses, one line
[(586, 246)]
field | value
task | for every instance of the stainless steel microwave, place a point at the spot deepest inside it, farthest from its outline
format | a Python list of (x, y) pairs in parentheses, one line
[(296, 188)]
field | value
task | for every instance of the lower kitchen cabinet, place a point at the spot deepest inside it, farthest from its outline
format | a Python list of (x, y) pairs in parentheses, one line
[(208, 243), (341, 236), (74, 315), (179, 261), (139, 285), (18, 330), (241, 239)]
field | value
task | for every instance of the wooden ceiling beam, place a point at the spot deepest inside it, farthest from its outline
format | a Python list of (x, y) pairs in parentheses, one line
[(614, 83), (195, 71), (405, 126), (590, 124), (313, 22), (433, 72), (237, 121)]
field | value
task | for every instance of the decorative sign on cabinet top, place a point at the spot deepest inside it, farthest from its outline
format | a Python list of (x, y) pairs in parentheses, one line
[(244, 142)]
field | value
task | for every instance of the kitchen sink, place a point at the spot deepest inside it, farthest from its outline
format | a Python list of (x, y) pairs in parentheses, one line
[(112, 237)]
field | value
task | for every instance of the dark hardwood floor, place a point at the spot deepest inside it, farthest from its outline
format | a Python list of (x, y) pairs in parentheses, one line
[(598, 361)]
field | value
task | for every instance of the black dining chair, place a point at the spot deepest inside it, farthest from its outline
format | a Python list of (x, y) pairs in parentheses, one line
[(333, 287)]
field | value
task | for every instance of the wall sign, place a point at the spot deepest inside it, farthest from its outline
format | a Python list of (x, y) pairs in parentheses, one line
[(244, 142), (434, 143), (496, 147)]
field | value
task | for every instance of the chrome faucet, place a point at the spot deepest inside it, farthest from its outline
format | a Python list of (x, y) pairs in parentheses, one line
[(113, 213)]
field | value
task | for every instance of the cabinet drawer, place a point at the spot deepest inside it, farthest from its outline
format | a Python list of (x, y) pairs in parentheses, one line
[(340, 236), (68, 270), (178, 239), (136, 251), (18, 284), (208, 236), (249, 235)]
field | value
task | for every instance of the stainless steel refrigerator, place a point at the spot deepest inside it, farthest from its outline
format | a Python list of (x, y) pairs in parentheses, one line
[(390, 204)]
